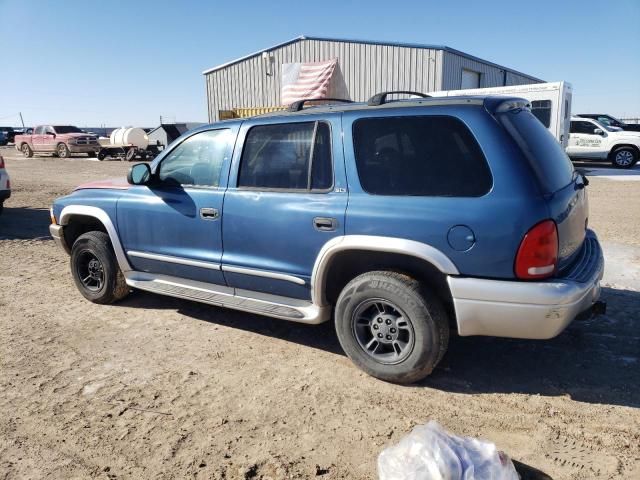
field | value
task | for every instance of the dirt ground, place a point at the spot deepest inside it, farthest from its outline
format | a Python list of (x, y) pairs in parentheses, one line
[(155, 387)]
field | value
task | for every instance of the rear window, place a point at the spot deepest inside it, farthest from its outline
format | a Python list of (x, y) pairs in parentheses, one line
[(422, 156), (548, 160)]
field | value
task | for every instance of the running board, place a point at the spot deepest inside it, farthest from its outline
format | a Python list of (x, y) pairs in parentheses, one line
[(275, 306)]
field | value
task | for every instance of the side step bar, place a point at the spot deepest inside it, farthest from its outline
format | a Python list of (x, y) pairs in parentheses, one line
[(275, 306)]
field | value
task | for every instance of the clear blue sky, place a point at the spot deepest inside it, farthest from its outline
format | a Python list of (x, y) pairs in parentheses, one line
[(119, 62)]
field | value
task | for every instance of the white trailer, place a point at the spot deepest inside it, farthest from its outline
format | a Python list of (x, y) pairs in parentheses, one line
[(550, 103)]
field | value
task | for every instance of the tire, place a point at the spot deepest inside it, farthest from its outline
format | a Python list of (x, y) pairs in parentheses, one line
[(130, 155), (624, 157), (102, 155), (63, 151), (26, 150), (95, 270), (404, 312)]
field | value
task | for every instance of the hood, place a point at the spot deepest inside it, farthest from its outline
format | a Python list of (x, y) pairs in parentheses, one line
[(110, 184), (74, 135), (627, 133)]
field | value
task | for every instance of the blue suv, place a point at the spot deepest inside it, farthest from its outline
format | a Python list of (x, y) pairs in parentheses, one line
[(400, 220)]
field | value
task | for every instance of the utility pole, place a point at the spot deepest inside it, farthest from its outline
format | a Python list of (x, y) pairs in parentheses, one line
[(21, 120)]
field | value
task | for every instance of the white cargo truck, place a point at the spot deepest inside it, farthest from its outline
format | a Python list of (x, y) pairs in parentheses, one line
[(550, 103)]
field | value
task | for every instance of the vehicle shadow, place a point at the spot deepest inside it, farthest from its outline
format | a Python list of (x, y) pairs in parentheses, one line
[(321, 337), (595, 361), (24, 223)]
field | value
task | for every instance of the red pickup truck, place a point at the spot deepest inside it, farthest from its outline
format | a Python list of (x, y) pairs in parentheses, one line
[(60, 140)]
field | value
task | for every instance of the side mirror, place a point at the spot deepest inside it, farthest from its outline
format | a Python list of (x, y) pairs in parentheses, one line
[(598, 131), (52, 134), (139, 174)]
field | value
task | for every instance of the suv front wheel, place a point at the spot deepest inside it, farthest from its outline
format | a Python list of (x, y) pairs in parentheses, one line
[(391, 326), (95, 269)]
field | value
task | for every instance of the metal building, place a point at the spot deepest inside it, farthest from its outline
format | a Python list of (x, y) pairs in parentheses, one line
[(253, 84)]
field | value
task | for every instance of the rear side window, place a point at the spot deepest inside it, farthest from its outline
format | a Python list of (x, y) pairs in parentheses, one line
[(548, 160), (541, 109), (423, 156), (292, 156)]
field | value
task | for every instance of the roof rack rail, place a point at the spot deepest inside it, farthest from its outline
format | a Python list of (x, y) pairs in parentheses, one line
[(380, 98), (299, 105)]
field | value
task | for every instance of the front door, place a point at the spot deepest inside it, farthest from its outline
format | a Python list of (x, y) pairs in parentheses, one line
[(584, 142), (287, 197), (173, 225)]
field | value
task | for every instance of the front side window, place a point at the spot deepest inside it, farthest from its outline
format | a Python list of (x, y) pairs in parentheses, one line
[(541, 109), (427, 156), (292, 156), (197, 161), (582, 127)]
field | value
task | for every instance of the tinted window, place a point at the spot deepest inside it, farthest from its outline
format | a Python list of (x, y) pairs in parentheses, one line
[(541, 109), (546, 156), (281, 157), (582, 127), (197, 160), (428, 156), (67, 129)]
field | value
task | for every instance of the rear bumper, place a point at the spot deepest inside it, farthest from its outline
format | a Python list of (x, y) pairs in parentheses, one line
[(536, 310), (57, 233)]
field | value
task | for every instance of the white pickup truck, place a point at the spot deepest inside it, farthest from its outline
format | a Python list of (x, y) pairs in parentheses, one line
[(591, 140)]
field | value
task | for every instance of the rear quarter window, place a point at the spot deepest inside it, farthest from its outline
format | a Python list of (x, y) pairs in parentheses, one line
[(421, 156), (546, 156)]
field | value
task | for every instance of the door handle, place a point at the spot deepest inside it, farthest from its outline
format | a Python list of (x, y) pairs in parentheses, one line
[(325, 224), (207, 213)]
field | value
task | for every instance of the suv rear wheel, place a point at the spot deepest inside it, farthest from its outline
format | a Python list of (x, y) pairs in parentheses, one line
[(391, 326), (624, 157), (26, 150), (95, 270)]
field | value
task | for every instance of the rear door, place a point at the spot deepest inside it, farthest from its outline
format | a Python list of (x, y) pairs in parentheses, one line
[(37, 139), (287, 197), (173, 226)]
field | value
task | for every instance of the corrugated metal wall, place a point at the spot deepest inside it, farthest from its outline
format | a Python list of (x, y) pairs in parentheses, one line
[(364, 69), (490, 75)]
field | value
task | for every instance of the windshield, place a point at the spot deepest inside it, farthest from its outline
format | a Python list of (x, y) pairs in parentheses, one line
[(609, 121), (66, 129)]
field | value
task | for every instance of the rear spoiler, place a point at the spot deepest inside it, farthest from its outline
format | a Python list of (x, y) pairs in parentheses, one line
[(501, 104)]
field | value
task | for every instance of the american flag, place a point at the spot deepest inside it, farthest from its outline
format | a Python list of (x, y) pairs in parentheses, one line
[(302, 81)]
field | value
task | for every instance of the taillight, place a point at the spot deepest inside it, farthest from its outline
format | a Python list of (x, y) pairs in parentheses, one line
[(1, 162), (538, 253)]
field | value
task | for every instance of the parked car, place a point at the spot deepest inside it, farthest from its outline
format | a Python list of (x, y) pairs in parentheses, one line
[(5, 184), (60, 140), (9, 134), (610, 121), (592, 140), (380, 215)]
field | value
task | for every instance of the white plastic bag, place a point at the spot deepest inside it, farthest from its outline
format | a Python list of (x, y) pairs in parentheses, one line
[(429, 452)]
